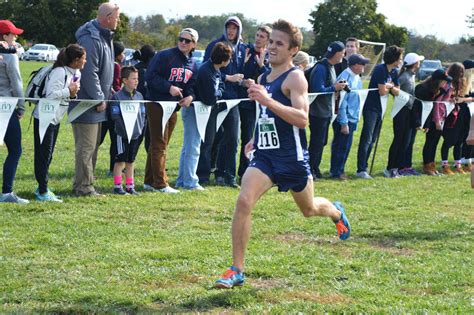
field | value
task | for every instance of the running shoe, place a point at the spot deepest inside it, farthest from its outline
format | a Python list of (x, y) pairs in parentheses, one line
[(47, 196), (343, 226), (119, 191), (13, 198), (132, 191), (230, 278)]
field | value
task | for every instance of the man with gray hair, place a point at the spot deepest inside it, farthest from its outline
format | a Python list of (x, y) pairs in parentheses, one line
[(96, 84)]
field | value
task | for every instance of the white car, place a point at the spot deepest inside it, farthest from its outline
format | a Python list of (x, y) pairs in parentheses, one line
[(42, 52)]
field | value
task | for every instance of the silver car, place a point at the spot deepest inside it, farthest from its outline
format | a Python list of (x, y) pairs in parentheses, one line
[(42, 52)]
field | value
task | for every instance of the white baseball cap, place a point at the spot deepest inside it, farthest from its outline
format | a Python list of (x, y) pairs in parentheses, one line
[(412, 58)]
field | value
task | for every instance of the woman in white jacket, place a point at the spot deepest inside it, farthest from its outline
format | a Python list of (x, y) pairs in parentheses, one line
[(62, 84)]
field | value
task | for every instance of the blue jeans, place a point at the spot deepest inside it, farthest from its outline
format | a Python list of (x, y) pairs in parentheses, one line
[(340, 148), (227, 154), (247, 129), (319, 128), (370, 133), (12, 141), (189, 159)]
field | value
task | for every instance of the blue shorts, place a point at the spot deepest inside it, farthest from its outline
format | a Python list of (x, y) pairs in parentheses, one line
[(285, 175)]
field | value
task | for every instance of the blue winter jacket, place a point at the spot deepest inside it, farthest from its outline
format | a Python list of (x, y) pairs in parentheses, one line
[(98, 72), (232, 90)]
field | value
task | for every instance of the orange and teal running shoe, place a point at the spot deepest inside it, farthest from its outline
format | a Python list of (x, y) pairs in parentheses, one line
[(230, 278), (343, 226)]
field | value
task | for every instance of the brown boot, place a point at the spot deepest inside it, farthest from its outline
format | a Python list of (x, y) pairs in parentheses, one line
[(429, 169), (458, 169), (446, 170), (467, 168)]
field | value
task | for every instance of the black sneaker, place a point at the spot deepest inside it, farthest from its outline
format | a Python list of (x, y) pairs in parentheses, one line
[(231, 183), (119, 191), (131, 191)]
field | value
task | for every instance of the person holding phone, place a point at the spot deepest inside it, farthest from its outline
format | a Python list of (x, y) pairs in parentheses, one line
[(62, 84)]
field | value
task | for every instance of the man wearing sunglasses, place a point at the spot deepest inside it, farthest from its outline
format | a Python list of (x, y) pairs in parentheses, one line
[(170, 77)]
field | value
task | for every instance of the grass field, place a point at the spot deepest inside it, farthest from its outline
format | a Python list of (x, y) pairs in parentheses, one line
[(410, 250)]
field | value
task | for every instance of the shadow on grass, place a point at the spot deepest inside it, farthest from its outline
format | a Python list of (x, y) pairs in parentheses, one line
[(217, 299), (390, 239)]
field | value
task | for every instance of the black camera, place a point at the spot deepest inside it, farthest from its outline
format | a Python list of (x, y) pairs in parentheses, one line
[(346, 88), (10, 50)]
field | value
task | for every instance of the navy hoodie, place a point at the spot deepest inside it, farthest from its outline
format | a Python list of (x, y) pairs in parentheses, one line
[(236, 65), (170, 67)]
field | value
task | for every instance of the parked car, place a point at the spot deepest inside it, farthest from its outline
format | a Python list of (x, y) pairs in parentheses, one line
[(42, 52), (428, 67), (198, 57)]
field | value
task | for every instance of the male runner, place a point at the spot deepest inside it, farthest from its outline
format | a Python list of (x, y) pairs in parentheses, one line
[(281, 155)]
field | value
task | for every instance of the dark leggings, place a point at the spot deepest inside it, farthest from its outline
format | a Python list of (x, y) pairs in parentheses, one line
[(450, 136), (44, 154), (431, 143), (12, 141)]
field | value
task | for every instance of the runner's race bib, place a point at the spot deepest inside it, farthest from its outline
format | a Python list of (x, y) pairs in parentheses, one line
[(267, 134)]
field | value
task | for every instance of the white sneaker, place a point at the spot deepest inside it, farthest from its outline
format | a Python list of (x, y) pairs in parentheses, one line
[(168, 190), (363, 175), (13, 198), (197, 188)]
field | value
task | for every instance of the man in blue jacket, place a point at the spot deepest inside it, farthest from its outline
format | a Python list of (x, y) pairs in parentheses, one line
[(96, 84), (323, 80), (233, 79)]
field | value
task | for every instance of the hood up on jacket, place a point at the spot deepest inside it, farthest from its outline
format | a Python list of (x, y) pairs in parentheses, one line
[(234, 20)]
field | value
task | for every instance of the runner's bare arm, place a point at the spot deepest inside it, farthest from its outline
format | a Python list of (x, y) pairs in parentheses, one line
[(294, 87)]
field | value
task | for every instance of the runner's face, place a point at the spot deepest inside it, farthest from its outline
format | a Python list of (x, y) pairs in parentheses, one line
[(232, 31), (279, 48), (261, 39), (351, 48)]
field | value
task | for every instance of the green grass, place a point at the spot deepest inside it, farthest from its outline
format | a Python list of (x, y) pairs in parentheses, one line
[(410, 249)]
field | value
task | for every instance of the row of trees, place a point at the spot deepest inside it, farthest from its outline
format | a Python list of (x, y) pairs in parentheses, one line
[(55, 22)]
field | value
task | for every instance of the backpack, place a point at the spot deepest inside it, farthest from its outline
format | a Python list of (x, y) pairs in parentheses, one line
[(37, 82)]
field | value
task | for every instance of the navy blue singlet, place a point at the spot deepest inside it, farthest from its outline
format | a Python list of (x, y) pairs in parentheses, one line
[(293, 144)]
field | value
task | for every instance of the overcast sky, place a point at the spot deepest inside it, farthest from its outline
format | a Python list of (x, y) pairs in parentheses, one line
[(444, 19)]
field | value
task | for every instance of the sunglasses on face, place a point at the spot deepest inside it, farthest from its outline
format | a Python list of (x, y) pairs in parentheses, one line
[(186, 40)]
